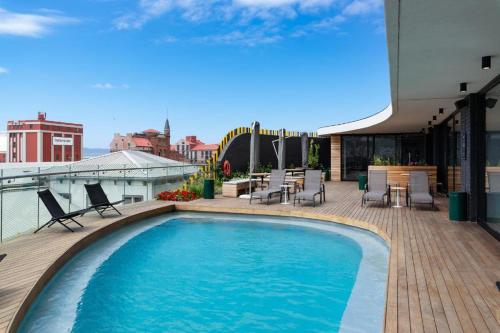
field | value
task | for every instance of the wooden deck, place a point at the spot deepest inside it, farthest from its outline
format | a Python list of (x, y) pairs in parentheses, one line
[(442, 274)]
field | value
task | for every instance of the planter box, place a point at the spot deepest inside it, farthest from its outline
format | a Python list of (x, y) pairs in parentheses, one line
[(234, 188), (395, 173)]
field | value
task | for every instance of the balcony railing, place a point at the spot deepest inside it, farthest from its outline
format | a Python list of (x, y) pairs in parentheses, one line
[(21, 211)]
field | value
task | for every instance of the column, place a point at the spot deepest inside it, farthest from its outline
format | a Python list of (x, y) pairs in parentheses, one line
[(335, 157), (472, 143)]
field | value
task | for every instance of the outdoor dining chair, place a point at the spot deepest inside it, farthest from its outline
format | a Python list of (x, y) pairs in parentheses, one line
[(377, 188), (98, 199), (276, 179), (419, 191), (312, 188), (57, 213)]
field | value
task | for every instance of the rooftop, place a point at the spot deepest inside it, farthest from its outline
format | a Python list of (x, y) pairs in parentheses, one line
[(205, 147), (431, 50), (126, 157), (441, 274)]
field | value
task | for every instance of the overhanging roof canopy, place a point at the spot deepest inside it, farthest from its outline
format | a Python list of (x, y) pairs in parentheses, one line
[(433, 46)]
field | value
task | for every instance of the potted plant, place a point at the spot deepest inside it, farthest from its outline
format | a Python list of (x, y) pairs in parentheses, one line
[(209, 181)]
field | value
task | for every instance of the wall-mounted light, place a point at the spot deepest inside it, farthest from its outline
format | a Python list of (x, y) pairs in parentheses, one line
[(491, 102), (486, 62), (441, 110), (463, 87), (434, 118), (429, 123)]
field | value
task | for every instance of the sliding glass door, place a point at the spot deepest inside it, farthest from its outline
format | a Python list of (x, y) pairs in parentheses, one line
[(354, 156), (492, 175)]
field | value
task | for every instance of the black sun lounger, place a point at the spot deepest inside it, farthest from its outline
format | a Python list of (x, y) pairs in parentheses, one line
[(99, 200), (55, 210)]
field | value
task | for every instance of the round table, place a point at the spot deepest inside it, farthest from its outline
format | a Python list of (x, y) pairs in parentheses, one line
[(398, 192), (286, 189)]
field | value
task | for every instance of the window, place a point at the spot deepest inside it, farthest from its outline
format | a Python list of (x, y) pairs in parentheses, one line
[(453, 154), (129, 199), (359, 151), (354, 156), (492, 162)]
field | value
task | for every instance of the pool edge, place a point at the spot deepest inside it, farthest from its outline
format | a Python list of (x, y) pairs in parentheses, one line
[(181, 207)]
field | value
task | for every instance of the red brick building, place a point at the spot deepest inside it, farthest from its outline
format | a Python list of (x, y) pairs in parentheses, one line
[(43, 140), (150, 141)]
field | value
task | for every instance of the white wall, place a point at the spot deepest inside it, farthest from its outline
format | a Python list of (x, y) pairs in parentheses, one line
[(3, 142)]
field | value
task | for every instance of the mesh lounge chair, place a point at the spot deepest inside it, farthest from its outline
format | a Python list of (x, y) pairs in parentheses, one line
[(312, 187), (55, 210), (494, 181), (99, 200), (377, 188), (277, 179), (419, 191)]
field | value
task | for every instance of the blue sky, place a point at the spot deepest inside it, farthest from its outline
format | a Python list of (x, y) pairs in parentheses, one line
[(118, 65)]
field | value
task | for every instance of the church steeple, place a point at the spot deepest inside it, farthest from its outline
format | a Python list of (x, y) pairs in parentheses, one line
[(167, 128)]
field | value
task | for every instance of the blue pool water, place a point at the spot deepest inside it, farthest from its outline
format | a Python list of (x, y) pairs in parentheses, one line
[(198, 273)]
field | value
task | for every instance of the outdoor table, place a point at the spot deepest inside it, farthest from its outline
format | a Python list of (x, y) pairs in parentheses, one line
[(398, 191), (295, 170), (286, 189), (261, 175), (292, 181)]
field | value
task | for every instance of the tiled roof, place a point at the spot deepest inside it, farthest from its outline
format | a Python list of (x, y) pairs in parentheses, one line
[(205, 147), (151, 130), (142, 142)]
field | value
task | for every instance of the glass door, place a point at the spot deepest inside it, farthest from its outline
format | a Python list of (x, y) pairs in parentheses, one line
[(354, 156), (492, 181)]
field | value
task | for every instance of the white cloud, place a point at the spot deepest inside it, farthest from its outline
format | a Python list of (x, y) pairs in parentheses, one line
[(250, 22), (246, 38), (363, 7), (198, 10), (3, 70), (108, 86), (31, 25)]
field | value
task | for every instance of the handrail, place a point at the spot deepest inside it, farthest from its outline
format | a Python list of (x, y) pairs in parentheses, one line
[(41, 174)]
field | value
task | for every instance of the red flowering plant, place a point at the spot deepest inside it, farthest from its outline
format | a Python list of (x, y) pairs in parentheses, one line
[(177, 195)]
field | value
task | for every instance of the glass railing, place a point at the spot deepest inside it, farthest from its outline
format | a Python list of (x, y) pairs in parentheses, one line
[(21, 211)]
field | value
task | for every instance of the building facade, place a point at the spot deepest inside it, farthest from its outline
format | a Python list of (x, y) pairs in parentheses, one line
[(150, 141), (43, 140), (194, 150), (200, 153), (444, 110)]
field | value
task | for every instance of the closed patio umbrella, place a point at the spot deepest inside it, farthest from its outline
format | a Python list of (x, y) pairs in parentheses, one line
[(255, 147), (305, 148), (281, 150)]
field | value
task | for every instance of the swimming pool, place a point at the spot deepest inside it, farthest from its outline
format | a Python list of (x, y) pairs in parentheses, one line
[(219, 273)]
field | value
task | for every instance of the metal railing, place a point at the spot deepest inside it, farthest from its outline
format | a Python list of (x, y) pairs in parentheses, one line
[(21, 210)]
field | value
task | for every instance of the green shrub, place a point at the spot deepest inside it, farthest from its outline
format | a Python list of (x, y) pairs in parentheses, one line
[(313, 156)]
